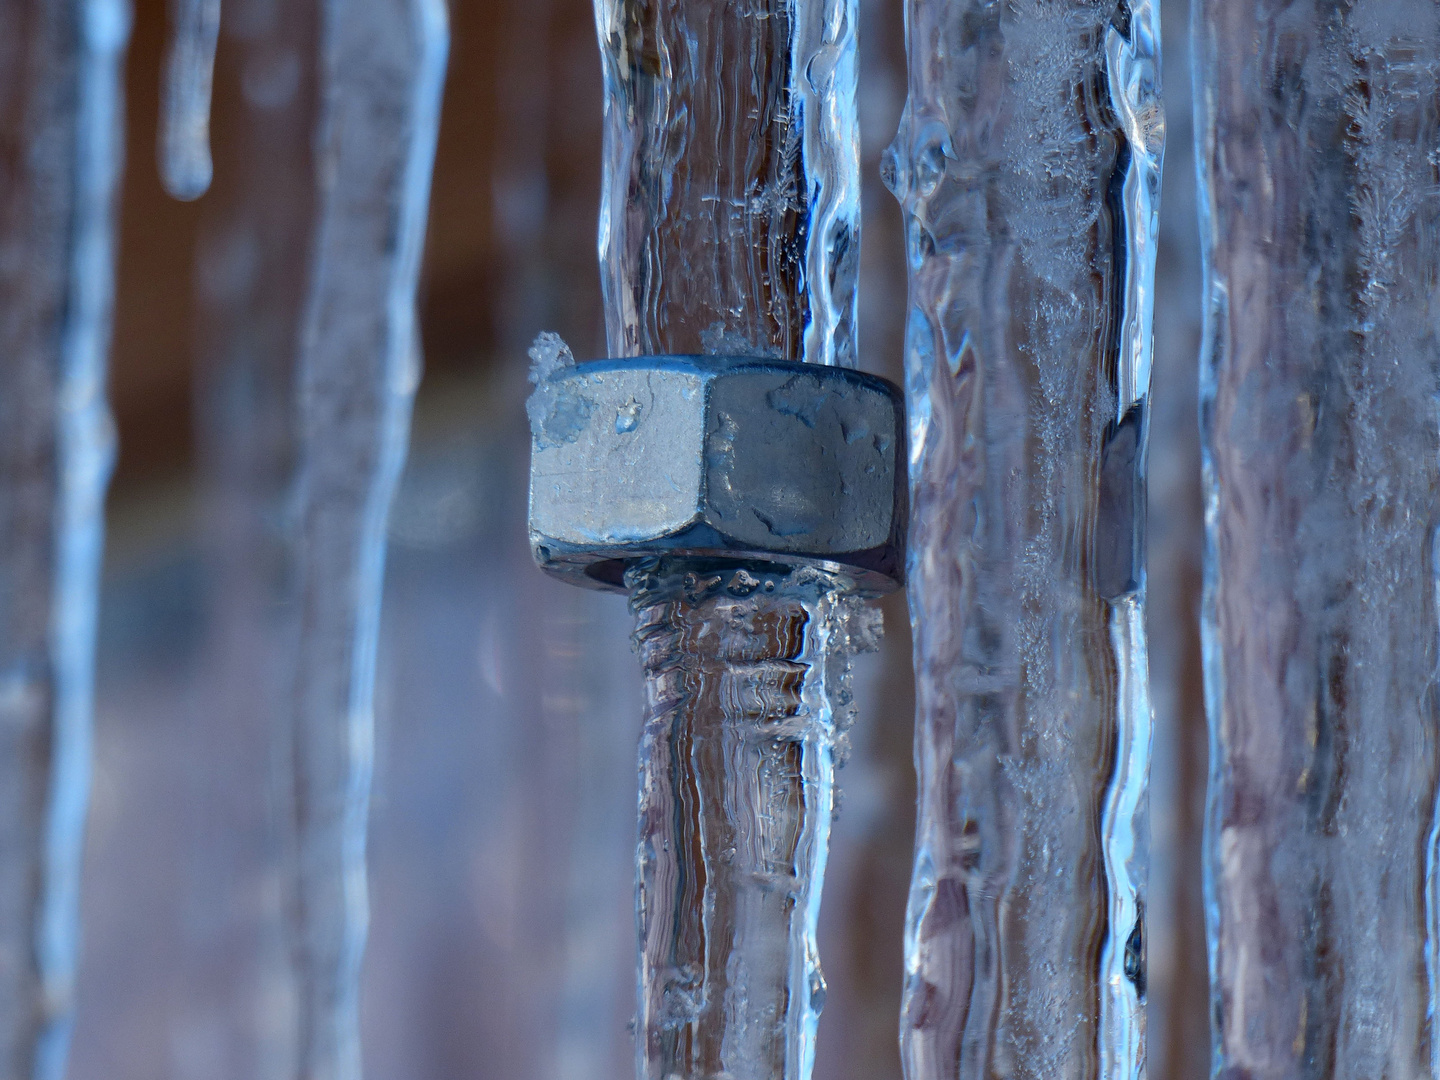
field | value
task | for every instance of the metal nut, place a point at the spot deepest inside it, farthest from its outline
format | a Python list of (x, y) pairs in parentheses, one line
[(717, 457)]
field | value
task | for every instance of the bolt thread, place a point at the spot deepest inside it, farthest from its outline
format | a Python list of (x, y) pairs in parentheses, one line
[(747, 701)]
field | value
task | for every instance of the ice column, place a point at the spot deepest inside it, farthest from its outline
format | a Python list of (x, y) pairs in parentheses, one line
[(730, 224), (748, 697), (1027, 165), (1317, 127), (60, 96)]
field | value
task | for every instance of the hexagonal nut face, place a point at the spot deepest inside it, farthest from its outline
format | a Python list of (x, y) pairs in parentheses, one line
[(717, 457)]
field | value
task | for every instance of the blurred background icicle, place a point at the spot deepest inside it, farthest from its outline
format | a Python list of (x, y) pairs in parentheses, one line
[(1320, 390), (235, 1015), (60, 157), (1028, 168), (310, 357), (382, 68), (184, 150)]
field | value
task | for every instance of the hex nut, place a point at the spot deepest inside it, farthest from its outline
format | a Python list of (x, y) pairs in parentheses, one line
[(717, 458)]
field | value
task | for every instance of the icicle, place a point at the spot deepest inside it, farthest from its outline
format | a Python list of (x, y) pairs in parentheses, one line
[(60, 85), (184, 149), (382, 69), (1320, 399), (1027, 165)]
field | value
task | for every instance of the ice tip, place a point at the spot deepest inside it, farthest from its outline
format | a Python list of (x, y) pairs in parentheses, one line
[(186, 168)]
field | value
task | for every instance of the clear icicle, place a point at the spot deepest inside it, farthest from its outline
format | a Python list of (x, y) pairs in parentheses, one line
[(1317, 126), (184, 149), (1027, 165), (382, 68), (61, 93)]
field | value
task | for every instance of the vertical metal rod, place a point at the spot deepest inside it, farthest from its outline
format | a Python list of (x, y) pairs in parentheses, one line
[(737, 788), (730, 207)]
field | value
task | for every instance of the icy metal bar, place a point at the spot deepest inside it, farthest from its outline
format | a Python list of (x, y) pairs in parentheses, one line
[(744, 504), (1317, 125), (730, 209), (729, 225), (1027, 166), (60, 96), (382, 68)]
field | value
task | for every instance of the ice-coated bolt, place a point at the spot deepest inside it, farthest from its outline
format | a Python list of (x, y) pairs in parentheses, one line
[(717, 457)]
